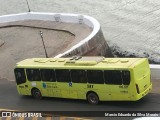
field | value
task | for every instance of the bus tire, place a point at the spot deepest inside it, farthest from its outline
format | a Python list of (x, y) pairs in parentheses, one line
[(36, 93), (92, 98)]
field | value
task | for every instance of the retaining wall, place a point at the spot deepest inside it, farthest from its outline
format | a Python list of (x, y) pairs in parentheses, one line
[(94, 44)]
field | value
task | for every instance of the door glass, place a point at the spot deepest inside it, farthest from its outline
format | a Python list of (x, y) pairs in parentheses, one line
[(20, 75)]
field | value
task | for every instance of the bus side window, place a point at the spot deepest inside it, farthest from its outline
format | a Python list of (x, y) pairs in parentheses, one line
[(113, 77), (95, 76), (62, 75), (33, 74), (48, 75), (126, 77), (78, 76), (20, 75)]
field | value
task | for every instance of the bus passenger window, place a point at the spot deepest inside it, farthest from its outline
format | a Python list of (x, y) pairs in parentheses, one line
[(113, 77), (20, 75), (78, 76), (95, 76), (63, 75), (48, 75), (33, 74), (126, 77)]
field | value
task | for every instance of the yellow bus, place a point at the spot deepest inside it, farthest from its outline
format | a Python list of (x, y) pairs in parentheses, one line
[(90, 78)]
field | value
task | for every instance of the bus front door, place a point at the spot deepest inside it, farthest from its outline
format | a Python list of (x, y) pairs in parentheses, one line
[(22, 84)]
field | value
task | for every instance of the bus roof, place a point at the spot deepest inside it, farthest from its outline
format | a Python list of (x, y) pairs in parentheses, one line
[(80, 63)]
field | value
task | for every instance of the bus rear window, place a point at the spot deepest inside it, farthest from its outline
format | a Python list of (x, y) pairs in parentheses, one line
[(117, 77), (113, 77), (126, 77), (20, 75)]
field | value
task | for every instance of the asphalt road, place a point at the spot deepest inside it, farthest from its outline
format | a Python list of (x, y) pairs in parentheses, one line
[(9, 99)]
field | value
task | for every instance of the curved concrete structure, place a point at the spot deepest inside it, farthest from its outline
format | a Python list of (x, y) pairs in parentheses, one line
[(94, 42), (64, 35)]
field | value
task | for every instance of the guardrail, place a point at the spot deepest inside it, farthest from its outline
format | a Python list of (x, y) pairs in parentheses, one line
[(155, 71)]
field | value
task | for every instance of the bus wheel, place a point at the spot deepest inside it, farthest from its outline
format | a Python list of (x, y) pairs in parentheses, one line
[(92, 98), (36, 94)]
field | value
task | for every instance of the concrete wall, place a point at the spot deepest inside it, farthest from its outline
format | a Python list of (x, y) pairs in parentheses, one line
[(94, 44)]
